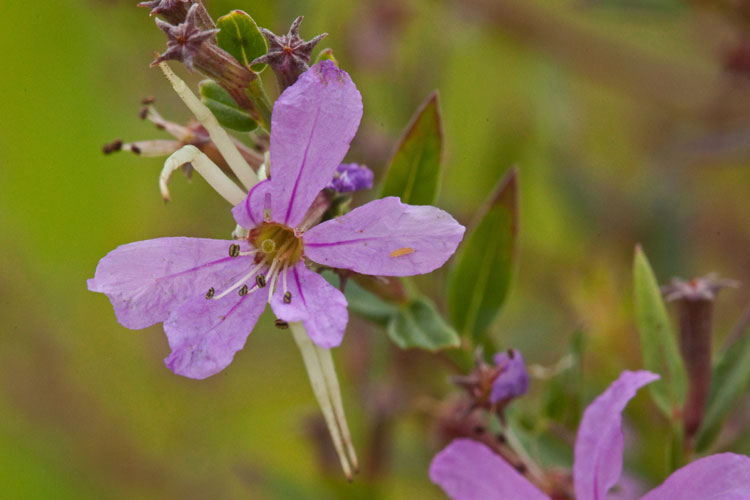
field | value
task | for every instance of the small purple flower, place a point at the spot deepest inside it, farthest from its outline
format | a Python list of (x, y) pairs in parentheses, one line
[(468, 470), (209, 293), (513, 380), (351, 177)]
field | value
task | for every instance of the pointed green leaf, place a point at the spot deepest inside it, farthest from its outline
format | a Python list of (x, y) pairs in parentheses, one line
[(226, 111), (414, 171), (241, 37), (658, 343), (480, 280), (326, 55), (419, 324), (729, 381)]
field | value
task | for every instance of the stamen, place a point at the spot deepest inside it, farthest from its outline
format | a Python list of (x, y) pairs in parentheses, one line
[(287, 294), (243, 291), (273, 273), (239, 282), (249, 252), (281, 324), (218, 135), (210, 293), (234, 250), (260, 280)]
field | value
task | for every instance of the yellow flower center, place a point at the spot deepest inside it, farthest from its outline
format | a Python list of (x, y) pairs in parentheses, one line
[(277, 242)]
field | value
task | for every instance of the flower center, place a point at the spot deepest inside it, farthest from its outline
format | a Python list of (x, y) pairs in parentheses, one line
[(277, 243)]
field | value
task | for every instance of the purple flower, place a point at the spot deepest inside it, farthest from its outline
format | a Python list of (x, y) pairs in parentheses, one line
[(350, 177), (468, 470), (513, 380), (209, 293)]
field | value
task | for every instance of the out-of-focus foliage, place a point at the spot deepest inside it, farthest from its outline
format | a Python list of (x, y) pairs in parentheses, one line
[(626, 126)]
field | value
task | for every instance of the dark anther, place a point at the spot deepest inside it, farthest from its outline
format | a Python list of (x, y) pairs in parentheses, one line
[(234, 250), (260, 280), (287, 297), (500, 437), (521, 468), (148, 100), (244, 290), (478, 429), (210, 293), (511, 354), (281, 324), (111, 147), (143, 113), (135, 149)]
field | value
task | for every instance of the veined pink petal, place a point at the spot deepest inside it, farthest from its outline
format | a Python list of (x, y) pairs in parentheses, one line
[(312, 124), (598, 449), (320, 306), (387, 238), (249, 213), (204, 334), (468, 470), (146, 280), (719, 477)]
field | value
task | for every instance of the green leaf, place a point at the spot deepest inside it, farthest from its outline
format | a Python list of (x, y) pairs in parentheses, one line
[(221, 104), (480, 280), (414, 171), (368, 305), (419, 324), (658, 344), (729, 381), (240, 36), (326, 55)]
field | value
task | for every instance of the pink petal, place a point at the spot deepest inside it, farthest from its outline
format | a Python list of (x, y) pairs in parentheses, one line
[(598, 449), (719, 477), (312, 124), (468, 470), (249, 213), (387, 238), (320, 306), (146, 280), (204, 334)]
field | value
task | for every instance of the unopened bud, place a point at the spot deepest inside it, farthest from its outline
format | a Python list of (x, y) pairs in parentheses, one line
[(695, 303)]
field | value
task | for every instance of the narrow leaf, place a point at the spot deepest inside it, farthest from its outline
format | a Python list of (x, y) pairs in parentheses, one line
[(658, 344), (224, 108), (241, 37), (729, 381), (414, 171), (480, 280), (419, 324)]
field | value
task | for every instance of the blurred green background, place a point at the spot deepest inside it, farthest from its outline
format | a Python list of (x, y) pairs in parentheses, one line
[(629, 122)]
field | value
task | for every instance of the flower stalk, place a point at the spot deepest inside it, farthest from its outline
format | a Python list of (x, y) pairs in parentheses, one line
[(322, 374)]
